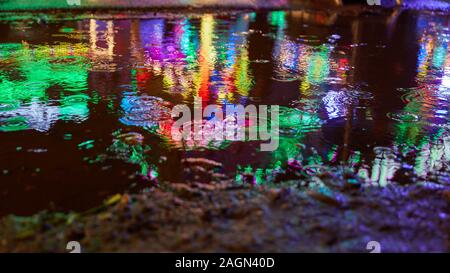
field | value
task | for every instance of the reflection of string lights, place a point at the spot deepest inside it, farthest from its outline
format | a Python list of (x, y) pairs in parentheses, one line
[(41, 67), (213, 61), (430, 101), (102, 57)]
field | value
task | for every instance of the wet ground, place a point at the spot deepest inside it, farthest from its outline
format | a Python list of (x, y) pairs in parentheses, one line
[(328, 212), (85, 104)]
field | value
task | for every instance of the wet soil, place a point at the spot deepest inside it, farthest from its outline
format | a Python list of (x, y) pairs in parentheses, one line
[(330, 212)]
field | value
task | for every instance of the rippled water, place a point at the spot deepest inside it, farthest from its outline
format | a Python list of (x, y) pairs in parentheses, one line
[(85, 103)]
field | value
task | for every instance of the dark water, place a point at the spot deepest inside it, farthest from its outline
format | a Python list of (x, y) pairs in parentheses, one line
[(85, 100)]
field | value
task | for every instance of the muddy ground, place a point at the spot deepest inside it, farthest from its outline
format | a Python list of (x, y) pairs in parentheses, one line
[(332, 211), (329, 212)]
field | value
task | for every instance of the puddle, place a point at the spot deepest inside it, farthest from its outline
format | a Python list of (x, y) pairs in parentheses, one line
[(91, 99)]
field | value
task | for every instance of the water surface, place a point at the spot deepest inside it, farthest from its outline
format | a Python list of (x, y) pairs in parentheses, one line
[(85, 99)]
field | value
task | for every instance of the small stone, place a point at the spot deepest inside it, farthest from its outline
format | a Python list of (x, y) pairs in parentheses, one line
[(329, 200)]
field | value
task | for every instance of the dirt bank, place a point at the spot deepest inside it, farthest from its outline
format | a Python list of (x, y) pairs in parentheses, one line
[(327, 213)]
